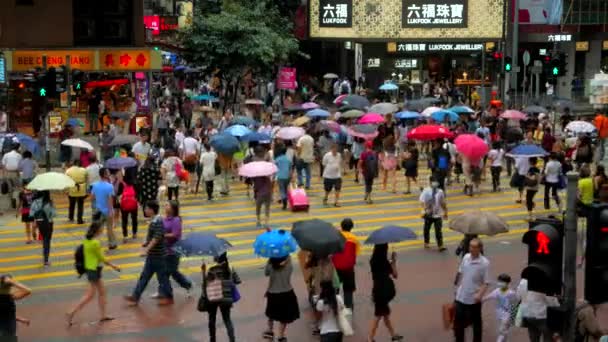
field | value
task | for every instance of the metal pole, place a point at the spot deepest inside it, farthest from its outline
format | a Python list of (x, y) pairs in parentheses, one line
[(483, 79), (570, 227), (45, 124), (515, 46), (68, 83)]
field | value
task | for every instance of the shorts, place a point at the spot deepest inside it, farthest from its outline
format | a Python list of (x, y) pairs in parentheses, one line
[(332, 183), (26, 218), (94, 276)]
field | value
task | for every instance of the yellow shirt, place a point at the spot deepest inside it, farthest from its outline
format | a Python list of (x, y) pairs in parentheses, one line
[(352, 238), (79, 175), (585, 188)]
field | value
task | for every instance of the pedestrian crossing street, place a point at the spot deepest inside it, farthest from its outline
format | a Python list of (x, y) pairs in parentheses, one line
[(233, 218)]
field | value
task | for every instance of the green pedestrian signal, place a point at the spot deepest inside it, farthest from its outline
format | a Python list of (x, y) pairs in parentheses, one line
[(78, 86), (507, 67), (42, 92), (555, 71)]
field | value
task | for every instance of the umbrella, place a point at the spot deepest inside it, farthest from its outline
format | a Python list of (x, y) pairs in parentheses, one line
[(430, 110), (294, 109), (479, 222), (390, 234), (352, 114), (580, 127), (257, 169), (225, 143), (330, 76), (202, 244), (74, 122), (535, 110), (118, 163), (513, 115), (310, 105), (371, 118), (290, 133), (243, 120), (257, 136), (471, 146), (124, 139), (389, 87), (331, 125), (366, 132), (441, 115), (462, 110), (356, 101), (429, 132), (318, 113), (319, 237), (26, 141), (301, 121), (121, 115), (407, 115), (237, 130), (51, 181), (275, 244), (257, 102), (383, 108), (79, 143), (204, 97), (338, 100), (527, 150)]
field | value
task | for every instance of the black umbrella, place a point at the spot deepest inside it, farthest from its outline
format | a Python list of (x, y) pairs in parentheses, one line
[(356, 101), (319, 237), (534, 110)]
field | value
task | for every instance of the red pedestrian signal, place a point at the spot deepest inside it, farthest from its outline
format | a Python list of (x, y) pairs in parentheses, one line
[(545, 249), (543, 243), (596, 255)]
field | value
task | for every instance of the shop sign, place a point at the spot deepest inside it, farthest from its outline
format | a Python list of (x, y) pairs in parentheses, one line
[(158, 23), (79, 59), (559, 38), (605, 45), (335, 13), (434, 13), (423, 47), (124, 60), (410, 47), (582, 46), (287, 78), (152, 22), (168, 23), (406, 63), (373, 62), (2, 70)]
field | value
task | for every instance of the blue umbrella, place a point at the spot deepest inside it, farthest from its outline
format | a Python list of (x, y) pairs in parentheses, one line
[(389, 86), (202, 244), (75, 122), (275, 244), (318, 113), (244, 121), (528, 150), (390, 234), (257, 136), (462, 110), (179, 67), (407, 115), (118, 163), (29, 143), (441, 115), (237, 130), (225, 143), (204, 97)]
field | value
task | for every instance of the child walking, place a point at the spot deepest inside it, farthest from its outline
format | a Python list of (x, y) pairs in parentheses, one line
[(506, 302)]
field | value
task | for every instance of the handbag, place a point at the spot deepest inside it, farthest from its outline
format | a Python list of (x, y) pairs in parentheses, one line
[(202, 304), (449, 313), (236, 294), (218, 168), (344, 322)]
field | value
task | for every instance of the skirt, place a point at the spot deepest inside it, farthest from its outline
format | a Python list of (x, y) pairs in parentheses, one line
[(282, 307)]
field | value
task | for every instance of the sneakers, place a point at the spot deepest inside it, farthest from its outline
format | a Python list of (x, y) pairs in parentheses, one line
[(155, 295)]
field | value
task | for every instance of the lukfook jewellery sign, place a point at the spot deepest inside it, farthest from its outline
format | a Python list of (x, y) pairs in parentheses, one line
[(335, 13), (434, 13)]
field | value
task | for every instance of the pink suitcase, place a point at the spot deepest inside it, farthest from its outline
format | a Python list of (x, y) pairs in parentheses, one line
[(298, 200)]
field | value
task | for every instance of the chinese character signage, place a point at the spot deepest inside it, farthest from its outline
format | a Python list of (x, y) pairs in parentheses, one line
[(26, 60), (406, 63), (152, 22), (434, 13), (559, 38), (287, 78), (402, 48), (127, 60), (373, 62), (335, 13), (158, 24)]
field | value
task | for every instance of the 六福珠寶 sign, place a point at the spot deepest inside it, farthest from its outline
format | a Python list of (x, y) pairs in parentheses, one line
[(423, 47)]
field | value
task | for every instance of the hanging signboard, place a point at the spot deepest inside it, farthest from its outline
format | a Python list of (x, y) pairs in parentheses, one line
[(287, 78), (336, 13), (434, 13)]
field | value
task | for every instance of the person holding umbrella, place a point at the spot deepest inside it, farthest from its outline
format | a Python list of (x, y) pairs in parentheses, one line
[(78, 193), (261, 173)]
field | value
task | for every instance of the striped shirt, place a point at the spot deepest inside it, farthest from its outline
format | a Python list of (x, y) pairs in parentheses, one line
[(156, 231)]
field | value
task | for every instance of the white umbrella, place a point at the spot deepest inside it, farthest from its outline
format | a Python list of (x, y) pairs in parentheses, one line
[(580, 127), (430, 110), (384, 108), (78, 143), (51, 181), (330, 76)]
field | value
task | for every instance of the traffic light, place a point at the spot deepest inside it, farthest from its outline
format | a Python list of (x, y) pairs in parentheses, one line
[(563, 63), (61, 79), (39, 84), (555, 67), (508, 64), (596, 255), (77, 81), (545, 252), (50, 83)]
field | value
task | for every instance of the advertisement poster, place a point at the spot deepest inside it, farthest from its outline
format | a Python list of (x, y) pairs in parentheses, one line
[(141, 122), (287, 78), (540, 12), (141, 95), (54, 122)]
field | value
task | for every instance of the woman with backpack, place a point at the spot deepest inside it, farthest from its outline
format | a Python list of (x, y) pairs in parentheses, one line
[(26, 197), (128, 207), (43, 212), (281, 300), (171, 169), (368, 166), (222, 272), (93, 260)]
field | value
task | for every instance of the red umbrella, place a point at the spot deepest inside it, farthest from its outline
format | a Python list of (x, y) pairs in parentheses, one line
[(471, 146), (429, 132)]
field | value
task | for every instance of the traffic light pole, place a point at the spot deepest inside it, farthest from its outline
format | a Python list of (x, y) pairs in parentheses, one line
[(45, 124), (68, 82), (515, 46), (570, 228)]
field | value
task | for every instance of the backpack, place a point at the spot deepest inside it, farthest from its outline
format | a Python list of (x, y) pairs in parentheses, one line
[(443, 162), (344, 88), (371, 165), (218, 290), (128, 201), (79, 260), (37, 210)]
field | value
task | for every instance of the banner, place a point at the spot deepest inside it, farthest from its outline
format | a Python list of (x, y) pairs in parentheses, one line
[(287, 79), (540, 12), (79, 59)]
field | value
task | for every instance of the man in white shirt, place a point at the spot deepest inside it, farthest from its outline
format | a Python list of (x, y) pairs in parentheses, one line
[(142, 148), (11, 160), (472, 280), (332, 173), (435, 210), (306, 156)]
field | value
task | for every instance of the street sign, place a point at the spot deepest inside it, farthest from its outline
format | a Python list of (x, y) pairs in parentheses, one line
[(526, 58)]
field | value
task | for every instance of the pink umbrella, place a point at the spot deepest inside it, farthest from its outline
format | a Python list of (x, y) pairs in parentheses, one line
[(471, 146), (334, 126), (364, 136), (371, 118), (513, 115), (310, 105), (257, 169), (338, 100), (290, 133)]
